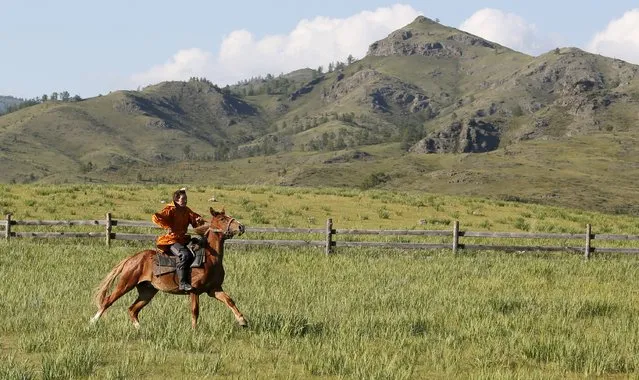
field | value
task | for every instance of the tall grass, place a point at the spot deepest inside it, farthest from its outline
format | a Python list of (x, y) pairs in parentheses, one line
[(306, 207), (361, 314), (364, 313)]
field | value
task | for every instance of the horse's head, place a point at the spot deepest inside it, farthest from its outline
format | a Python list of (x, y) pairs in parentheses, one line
[(226, 224)]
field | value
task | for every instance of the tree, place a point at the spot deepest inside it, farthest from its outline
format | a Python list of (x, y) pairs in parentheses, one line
[(411, 135), (54, 96), (85, 168), (340, 143), (320, 69), (45, 97), (375, 179), (325, 140), (187, 151), (65, 96), (350, 59)]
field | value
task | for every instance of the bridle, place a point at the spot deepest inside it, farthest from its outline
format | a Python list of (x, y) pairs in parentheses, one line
[(225, 233)]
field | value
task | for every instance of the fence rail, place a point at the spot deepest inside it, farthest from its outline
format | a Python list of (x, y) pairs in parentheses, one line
[(329, 233)]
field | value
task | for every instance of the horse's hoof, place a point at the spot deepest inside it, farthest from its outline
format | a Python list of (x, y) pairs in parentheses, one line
[(242, 322), (95, 318)]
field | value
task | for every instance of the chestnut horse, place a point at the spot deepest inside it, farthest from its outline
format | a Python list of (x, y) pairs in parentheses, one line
[(137, 272)]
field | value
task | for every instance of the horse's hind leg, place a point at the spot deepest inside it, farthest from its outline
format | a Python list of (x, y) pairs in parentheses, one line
[(146, 292), (220, 295), (125, 284)]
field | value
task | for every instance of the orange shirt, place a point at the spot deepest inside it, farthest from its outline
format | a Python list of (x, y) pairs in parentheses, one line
[(176, 220)]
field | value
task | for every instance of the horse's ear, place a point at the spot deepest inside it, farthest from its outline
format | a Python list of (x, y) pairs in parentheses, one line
[(223, 212), (213, 212)]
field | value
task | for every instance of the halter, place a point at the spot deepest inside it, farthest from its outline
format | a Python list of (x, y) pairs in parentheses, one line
[(226, 232)]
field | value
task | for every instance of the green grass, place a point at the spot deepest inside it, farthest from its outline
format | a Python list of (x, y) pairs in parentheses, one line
[(362, 314), (272, 206)]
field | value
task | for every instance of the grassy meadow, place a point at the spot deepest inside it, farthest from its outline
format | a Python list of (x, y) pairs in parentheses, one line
[(272, 206), (362, 313)]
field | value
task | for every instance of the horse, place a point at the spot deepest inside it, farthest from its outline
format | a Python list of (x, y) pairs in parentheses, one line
[(136, 271)]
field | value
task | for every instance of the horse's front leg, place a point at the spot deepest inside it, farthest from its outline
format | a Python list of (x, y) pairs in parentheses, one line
[(195, 309), (220, 295)]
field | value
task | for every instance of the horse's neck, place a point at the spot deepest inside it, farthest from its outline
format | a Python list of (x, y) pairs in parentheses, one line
[(216, 248)]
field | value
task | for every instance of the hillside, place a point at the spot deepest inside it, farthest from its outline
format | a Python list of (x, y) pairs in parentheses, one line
[(429, 108), (8, 101)]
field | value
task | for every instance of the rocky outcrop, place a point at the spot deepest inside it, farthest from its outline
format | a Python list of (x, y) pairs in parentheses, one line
[(356, 155), (154, 123), (471, 40), (305, 89), (409, 99), (126, 106), (573, 79), (472, 137), (342, 86), (384, 93), (235, 106), (399, 44), (426, 37)]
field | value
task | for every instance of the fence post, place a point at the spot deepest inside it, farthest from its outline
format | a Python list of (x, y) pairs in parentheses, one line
[(329, 236), (108, 229), (587, 249), (455, 236), (7, 230)]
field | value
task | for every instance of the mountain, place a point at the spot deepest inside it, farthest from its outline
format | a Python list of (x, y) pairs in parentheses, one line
[(429, 108)]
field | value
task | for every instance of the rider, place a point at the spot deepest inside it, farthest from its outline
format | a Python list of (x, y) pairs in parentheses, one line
[(176, 218)]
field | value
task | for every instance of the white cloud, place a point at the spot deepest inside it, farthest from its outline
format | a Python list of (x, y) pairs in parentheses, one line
[(183, 65), (507, 29), (620, 39), (310, 44)]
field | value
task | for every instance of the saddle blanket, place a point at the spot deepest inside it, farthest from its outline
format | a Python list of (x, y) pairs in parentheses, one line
[(163, 263)]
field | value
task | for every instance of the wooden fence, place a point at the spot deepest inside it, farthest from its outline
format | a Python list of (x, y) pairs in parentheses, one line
[(329, 233)]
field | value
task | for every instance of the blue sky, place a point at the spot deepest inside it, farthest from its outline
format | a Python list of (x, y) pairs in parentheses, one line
[(90, 48)]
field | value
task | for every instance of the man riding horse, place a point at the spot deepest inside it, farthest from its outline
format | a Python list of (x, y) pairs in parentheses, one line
[(137, 271), (176, 218)]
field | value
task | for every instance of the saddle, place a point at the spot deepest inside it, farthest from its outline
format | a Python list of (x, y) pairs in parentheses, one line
[(164, 262)]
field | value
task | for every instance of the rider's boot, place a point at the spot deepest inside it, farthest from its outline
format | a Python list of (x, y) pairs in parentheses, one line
[(183, 280)]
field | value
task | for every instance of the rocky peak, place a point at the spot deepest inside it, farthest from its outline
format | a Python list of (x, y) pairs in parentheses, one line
[(470, 137), (427, 38)]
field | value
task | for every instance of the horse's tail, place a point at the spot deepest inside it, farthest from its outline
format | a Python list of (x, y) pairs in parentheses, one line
[(101, 292)]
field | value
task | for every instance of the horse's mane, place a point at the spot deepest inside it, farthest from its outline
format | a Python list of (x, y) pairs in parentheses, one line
[(201, 230)]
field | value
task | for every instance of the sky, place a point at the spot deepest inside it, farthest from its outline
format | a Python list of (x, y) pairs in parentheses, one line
[(90, 48)]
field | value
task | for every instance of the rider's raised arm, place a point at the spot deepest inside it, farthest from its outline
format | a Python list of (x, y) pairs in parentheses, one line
[(163, 218), (195, 219)]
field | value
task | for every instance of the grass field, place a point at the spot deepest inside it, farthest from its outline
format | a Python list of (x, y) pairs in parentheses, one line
[(363, 313), (273, 206)]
